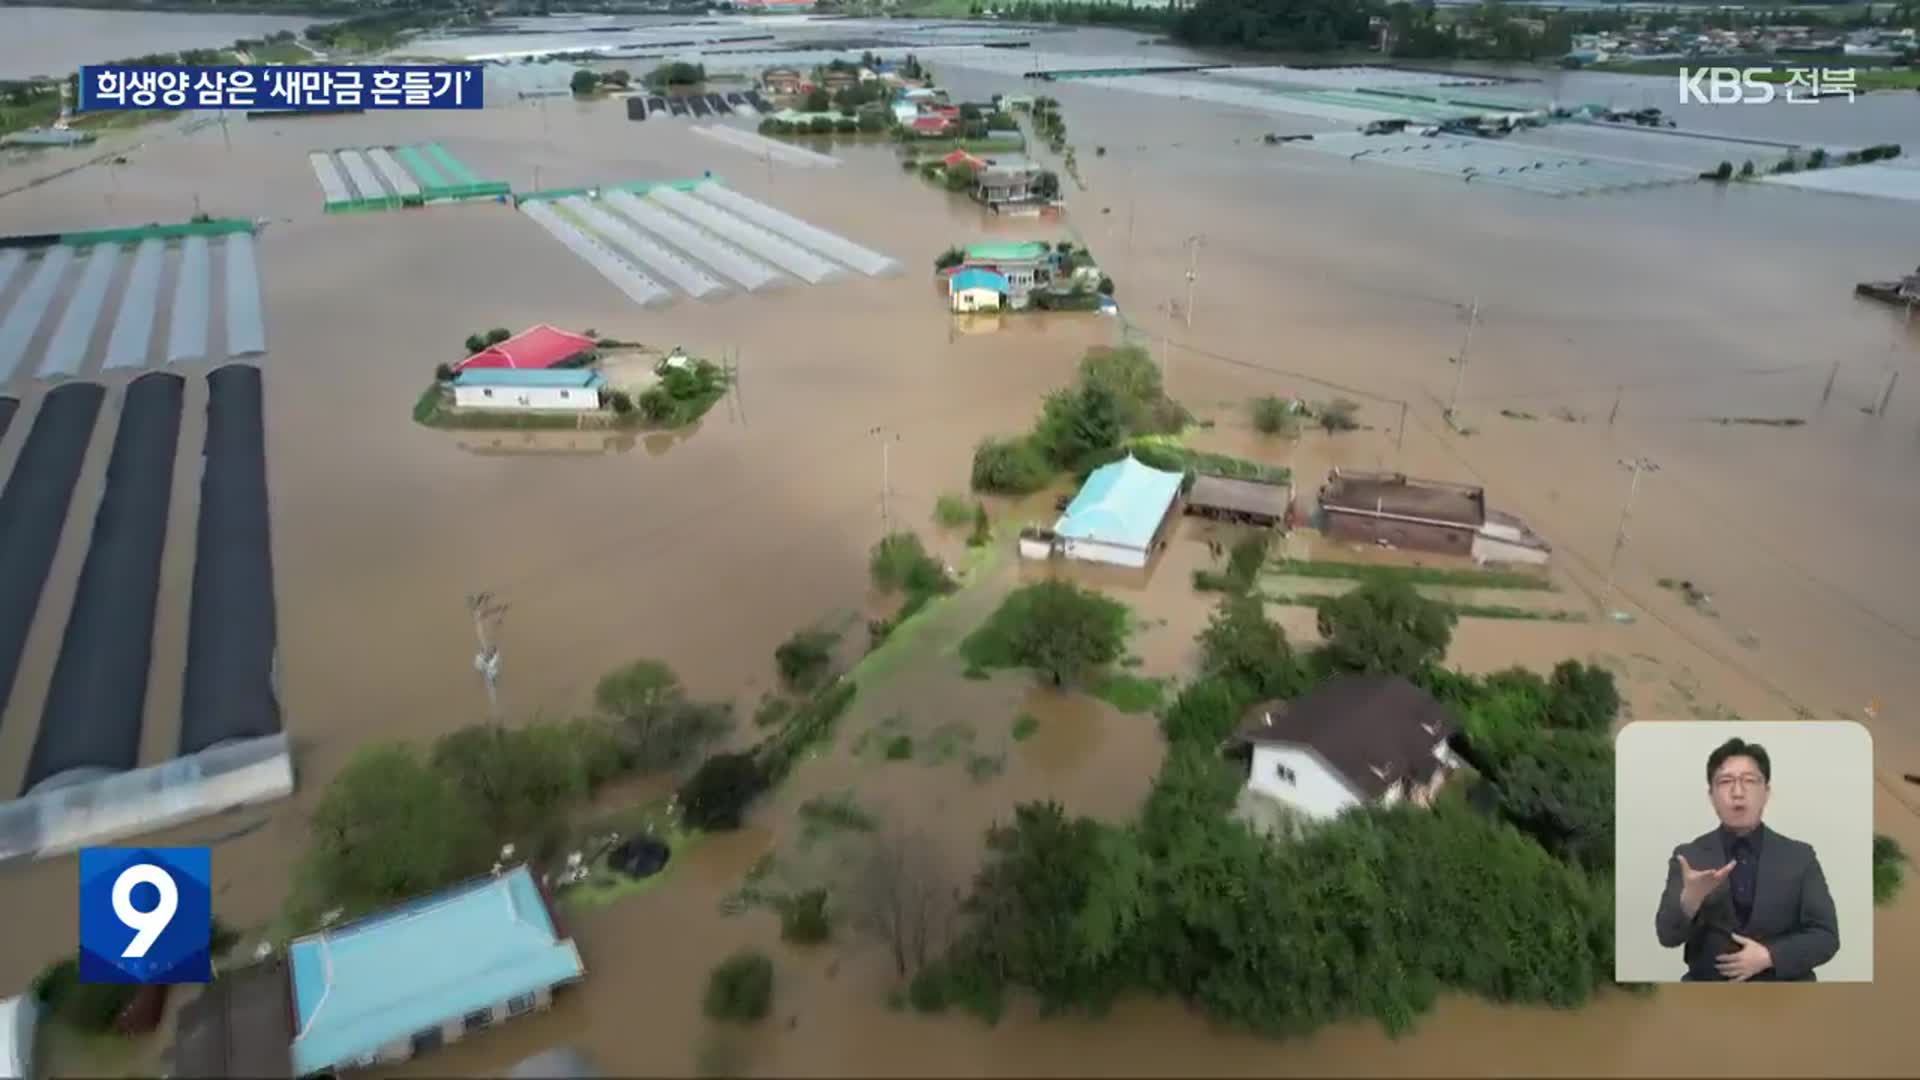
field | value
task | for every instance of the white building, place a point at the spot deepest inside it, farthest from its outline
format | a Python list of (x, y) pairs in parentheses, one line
[(1118, 516), (976, 290), (1503, 538), (1357, 739), (549, 390)]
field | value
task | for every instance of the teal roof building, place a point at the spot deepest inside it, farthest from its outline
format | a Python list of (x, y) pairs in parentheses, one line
[(1118, 513), (523, 378), (403, 981)]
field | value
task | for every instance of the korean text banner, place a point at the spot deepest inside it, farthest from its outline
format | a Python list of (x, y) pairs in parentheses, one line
[(301, 88)]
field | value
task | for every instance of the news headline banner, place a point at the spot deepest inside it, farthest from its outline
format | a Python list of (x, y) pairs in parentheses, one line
[(293, 88)]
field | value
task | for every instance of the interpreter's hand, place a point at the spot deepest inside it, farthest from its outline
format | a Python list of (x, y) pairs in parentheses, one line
[(1697, 885), (1752, 959)]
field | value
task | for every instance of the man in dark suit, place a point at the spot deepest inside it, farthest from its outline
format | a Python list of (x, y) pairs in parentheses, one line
[(1747, 902)]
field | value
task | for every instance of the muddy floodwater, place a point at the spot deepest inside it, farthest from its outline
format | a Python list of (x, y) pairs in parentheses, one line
[(1610, 327)]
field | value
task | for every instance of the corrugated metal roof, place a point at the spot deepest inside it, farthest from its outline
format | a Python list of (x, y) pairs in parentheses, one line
[(556, 378), (1122, 503), (1005, 251), (360, 987)]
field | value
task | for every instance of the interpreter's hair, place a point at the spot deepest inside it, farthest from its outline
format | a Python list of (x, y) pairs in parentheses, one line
[(1737, 747)]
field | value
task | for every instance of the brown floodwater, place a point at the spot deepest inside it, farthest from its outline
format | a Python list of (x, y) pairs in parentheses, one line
[(1314, 277)]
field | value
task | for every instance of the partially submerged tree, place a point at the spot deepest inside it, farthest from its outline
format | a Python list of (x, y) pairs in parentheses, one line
[(665, 728), (389, 828), (1053, 627), (520, 781), (1385, 626), (903, 896)]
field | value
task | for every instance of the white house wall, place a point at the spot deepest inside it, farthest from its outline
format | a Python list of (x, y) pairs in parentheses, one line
[(530, 398), (1100, 552), (1314, 791), (976, 300)]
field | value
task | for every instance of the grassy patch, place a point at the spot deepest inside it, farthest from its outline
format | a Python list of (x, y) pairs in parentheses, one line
[(1024, 726), (1130, 693), (871, 745), (280, 52), (824, 815), (984, 767), (1464, 611), (1412, 575), (604, 885), (899, 642), (898, 748), (947, 742), (39, 110), (953, 511), (1165, 452)]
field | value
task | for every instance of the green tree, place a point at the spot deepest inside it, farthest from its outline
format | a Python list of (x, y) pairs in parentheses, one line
[(1385, 626), (584, 82), (1275, 416), (1582, 697), (1079, 425), (663, 728), (1557, 787), (805, 658), (740, 988), (716, 796), (982, 534), (1056, 904), (1060, 629), (520, 781), (1889, 868), (900, 563), (1249, 650), (949, 258), (389, 828), (1046, 185), (476, 343), (1206, 711), (1009, 467), (817, 100)]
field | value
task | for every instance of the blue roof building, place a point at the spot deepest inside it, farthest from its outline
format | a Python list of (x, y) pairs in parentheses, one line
[(531, 378), (1117, 516), (974, 278), (408, 979)]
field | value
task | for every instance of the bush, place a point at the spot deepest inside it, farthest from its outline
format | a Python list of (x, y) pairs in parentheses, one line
[(804, 919), (1385, 626), (1009, 467), (621, 401), (1815, 159), (900, 563), (1338, 415), (584, 82), (740, 988), (1889, 868), (1746, 169), (951, 257), (656, 405), (952, 511), (899, 748), (805, 658), (1105, 288), (89, 1007), (982, 534), (717, 796), (1274, 416)]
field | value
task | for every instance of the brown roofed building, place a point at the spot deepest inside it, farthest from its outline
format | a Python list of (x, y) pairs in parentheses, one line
[(240, 1025), (1424, 515), (1355, 740)]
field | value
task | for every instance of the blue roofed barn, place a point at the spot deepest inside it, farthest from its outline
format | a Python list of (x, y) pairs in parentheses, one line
[(973, 289), (403, 982), (1119, 514)]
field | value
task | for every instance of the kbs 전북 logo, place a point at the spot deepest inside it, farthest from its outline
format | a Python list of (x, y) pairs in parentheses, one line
[(146, 915)]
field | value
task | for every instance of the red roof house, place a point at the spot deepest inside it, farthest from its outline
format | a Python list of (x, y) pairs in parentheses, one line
[(961, 157), (931, 125), (537, 349)]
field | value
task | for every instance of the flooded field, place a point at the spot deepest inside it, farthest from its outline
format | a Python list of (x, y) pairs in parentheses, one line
[(1609, 327)]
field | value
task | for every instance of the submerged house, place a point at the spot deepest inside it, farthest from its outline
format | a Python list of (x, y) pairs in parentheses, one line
[(558, 390), (403, 982), (1425, 515), (1355, 740), (1024, 265), (1005, 180), (976, 290), (1120, 515)]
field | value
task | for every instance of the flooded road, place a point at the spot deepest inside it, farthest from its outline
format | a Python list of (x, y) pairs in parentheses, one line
[(1314, 277)]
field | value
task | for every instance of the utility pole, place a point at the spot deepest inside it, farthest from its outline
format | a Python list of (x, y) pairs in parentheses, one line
[(887, 439), (1460, 363), (1618, 392), (1193, 260), (1400, 435), (1887, 394), (1831, 375), (1636, 467), (487, 660)]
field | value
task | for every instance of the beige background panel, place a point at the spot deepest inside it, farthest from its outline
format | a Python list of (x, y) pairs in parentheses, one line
[(1821, 794)]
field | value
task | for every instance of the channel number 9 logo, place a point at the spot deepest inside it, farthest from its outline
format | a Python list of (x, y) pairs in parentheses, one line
[(146, 915)]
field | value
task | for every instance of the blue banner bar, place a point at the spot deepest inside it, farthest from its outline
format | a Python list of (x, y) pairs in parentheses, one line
[(295, 88)]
